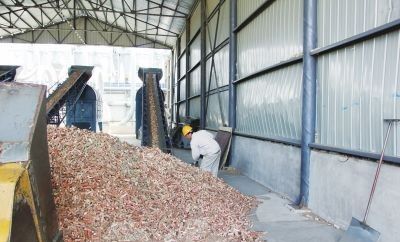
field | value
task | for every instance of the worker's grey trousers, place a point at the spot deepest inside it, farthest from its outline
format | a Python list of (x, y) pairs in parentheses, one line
[(210, 163)]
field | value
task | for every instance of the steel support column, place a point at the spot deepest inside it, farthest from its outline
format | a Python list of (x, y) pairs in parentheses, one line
[(187, 66), (309, 96), (203, 75), (232, 62), (85, 32), (178, 70), (74, 20), (172, 86)]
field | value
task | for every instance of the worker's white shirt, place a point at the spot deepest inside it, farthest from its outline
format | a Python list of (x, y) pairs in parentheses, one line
[(203, 143)]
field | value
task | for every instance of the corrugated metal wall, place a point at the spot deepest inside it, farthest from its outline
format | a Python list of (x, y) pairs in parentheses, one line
[(358, 86), (192, 82), (190, 47), (270, 105), (258, 48), (195, 21), (341, 19), (182, 111), (174, 101), (215, 118), (195, 82), (194, 107), (182, 62), (210, 6), (182, 89), (195, 51), (182, 42), (221, 62), (180, 69), (217, 102), (223, 27), (246, 7), (220, 70)]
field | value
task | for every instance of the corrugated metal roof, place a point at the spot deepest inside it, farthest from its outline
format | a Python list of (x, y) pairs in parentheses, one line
[(158, 21)]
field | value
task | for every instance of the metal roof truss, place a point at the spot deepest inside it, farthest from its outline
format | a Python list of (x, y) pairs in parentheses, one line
[(148, 23)]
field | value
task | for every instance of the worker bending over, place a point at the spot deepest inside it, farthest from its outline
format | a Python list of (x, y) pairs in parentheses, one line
[(203, 143)]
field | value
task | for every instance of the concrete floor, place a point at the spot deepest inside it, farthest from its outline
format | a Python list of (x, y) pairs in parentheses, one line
[(274, 215)]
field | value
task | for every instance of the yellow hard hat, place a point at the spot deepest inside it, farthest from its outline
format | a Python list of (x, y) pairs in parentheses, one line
[(186, 129)]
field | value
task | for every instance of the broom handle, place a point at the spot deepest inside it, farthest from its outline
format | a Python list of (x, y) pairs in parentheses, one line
[(378, 169)]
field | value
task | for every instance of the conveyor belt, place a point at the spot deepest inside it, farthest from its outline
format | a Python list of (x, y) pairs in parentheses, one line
[(7, 73), (69, 90), (60, 92), (154, 126)]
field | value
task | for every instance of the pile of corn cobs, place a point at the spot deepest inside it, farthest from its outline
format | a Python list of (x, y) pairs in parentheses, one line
[(111, 191)]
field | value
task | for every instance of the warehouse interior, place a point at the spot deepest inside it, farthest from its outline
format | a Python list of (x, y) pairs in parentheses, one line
[(309, 89)]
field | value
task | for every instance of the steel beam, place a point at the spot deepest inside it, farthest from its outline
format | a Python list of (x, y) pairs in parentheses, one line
[(182, 77), (166, 7), (89, 30), (140, 20), (194, 96), (74, 14), (254, 15), (141, 36), (217, 48), (159, 17), (194, 67), (367, 155), (220, 89), (378, 31), (279, 140), (40, 6), (172, 20), (277, 66)]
